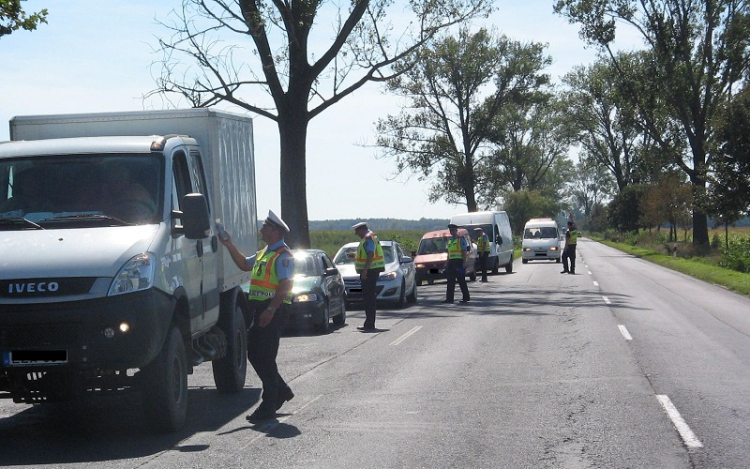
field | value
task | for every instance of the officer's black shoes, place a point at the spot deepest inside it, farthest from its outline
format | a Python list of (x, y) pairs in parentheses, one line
[(284, 396), (261, 415), (564, 272), (466, 300), (366, 328), (447, 301)]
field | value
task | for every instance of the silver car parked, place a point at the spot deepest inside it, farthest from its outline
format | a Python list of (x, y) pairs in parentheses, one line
[(397, 284)]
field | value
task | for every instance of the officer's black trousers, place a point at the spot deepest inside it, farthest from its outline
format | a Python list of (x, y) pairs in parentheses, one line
[(455, 272), (262, 349), (370, 296), (483, 256), (569, 253)]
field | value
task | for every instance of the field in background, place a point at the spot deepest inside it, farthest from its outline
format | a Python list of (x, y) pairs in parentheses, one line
[(331, 240)]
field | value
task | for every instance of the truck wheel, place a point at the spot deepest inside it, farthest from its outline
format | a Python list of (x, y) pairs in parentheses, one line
[(231, 370), (164, 387), (496, 265), (509, 265)]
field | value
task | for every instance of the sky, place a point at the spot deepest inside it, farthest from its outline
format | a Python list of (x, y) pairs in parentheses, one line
[(98, 56)]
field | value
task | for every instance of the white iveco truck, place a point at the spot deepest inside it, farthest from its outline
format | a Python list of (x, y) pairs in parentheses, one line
[(112, 278)]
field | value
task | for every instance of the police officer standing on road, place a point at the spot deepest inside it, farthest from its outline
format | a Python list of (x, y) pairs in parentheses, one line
[(483, 246), (458, 252), (270, 291), (571, 240), (369, 263)]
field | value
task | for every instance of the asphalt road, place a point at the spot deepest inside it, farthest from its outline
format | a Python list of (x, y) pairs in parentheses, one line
[(623, 365)]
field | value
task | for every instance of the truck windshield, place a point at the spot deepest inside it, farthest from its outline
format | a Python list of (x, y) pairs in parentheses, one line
[(81, 190)]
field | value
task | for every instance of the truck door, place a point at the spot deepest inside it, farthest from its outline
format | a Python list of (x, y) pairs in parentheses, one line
[(199, 257)]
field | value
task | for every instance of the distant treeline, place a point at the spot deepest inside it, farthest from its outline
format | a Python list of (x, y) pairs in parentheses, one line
[(380, 224)]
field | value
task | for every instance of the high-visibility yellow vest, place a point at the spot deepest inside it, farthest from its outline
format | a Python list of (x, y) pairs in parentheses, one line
[(264, 280), (378, 259), (483, 243), (573, 237), (454, 249)]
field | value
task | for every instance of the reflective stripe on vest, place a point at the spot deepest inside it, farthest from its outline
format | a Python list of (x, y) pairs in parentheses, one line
[(264, 280), (454, 249), (483, 243), (378, 259)]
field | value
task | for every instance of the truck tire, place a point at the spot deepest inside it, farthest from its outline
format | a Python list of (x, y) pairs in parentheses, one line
[(164, 386), (230, 371), (496, 265)]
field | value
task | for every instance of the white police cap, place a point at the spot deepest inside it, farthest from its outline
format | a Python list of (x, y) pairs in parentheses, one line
[(276, 221), (359, 225)]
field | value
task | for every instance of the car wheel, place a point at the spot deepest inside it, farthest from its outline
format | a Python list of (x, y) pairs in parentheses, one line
[(525, 261), (402, 296), (325, 325), (412, 298), (340, 319), (430, 281), (473, 276), (164, 386), (558, 260)]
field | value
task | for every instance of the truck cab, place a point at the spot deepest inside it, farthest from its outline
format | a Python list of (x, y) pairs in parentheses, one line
[(113, 277)]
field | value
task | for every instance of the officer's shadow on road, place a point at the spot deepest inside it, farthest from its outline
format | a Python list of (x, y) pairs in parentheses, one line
[(112, 428)]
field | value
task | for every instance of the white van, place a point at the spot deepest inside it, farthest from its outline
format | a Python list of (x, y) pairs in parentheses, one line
[(541, 240), (496, 226)]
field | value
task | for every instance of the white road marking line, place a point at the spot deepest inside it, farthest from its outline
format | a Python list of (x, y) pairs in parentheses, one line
[(606, 300), (406, 336), (625, 333), (596, 284), (590, 273), (682, 427)]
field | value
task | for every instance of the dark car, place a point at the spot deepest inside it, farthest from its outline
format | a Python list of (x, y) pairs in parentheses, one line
[(319, 293)]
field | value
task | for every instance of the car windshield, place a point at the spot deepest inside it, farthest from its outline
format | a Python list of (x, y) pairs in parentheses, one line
[(304, 265), (545, 232), (433, 245), (57, 191), (346, 255)]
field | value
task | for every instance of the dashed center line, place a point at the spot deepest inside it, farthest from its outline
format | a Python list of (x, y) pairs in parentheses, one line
[(596, 284), (624, 332), (682, 427), (606, 300), (406, 336)]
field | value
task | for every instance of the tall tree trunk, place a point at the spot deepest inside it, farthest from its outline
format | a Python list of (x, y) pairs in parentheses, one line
[(293, 176)]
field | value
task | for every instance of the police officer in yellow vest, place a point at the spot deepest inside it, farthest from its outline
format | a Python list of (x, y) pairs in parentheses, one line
[(458, 252), (571, 241), (483, 246), (270, 291), (369, 263)]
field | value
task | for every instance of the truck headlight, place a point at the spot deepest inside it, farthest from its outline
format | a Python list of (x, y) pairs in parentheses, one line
[(553, 248), (137, 274)]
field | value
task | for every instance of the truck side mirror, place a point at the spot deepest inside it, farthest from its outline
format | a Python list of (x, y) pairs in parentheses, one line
[(195, 219)]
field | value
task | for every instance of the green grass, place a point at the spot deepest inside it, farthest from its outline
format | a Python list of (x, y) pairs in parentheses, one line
[(695, 267)]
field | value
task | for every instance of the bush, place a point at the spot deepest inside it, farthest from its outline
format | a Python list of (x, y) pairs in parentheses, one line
[(736, 256)]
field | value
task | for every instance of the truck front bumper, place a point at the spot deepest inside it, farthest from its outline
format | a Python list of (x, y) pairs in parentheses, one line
[(113, 333)]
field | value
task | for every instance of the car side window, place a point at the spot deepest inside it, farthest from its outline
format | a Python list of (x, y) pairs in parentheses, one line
[(327, 264)]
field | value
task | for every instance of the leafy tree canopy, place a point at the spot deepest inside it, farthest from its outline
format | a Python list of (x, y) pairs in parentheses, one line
[(13, 17)]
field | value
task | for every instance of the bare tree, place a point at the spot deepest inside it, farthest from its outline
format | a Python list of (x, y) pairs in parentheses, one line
[(304, 70)]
